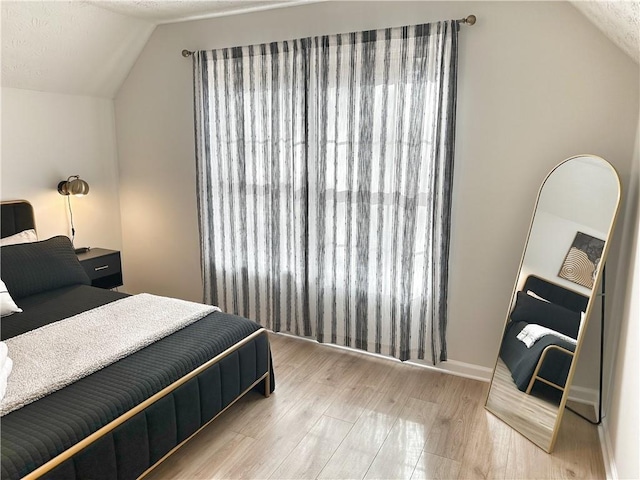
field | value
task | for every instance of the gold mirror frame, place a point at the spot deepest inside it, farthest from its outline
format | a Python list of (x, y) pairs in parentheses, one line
[(518, 421)]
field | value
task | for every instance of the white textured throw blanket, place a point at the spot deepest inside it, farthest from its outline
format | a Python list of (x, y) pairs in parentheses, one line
[(534, 332), (56, 355)]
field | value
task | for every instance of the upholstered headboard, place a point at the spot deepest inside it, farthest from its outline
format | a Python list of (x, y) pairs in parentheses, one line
[(556, 294), (16, 216)]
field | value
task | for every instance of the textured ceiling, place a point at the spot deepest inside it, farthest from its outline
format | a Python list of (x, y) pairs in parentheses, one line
[(69, 47), (87, 47), (618, 20), (170, 11)]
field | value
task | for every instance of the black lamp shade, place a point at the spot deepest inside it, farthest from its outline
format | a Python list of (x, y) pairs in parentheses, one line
[(73, 186)]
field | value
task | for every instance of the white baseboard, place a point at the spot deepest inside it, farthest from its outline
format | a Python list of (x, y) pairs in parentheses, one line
[(584, 395), (452, 367), (461, 369), (607, 451)]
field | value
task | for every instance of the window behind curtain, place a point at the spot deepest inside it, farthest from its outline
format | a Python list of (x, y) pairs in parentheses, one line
[(324, 178)]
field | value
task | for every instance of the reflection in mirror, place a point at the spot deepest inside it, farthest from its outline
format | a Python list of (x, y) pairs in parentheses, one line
[(553, 296)]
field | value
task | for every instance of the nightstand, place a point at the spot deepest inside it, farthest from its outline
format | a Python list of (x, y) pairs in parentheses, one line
[(103, 267)]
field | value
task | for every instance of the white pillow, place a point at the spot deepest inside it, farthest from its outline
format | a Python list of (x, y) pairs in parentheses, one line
[(26, 236), (7, 305), (538, 297)]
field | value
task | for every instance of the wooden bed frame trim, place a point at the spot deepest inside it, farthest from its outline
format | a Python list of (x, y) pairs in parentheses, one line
[(54, 462), (539, 365)]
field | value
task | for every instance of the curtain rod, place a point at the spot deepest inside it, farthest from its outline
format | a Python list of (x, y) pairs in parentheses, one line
[(468, 20)]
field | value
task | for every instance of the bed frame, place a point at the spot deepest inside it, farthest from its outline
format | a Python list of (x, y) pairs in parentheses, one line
[(18, 216), (552, 355), (106, 431)]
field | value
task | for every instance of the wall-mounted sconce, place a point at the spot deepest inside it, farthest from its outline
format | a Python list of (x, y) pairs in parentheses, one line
[(73, 185)]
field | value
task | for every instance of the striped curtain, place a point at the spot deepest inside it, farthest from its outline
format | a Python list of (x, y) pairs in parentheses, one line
[(324, 183), (251, 165)]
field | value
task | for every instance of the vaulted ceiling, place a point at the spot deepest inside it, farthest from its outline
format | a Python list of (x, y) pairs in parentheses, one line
[(170, 11), (88, 47), (618, 20)]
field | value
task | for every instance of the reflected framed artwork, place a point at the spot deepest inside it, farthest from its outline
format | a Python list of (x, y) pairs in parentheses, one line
[(582, 261)]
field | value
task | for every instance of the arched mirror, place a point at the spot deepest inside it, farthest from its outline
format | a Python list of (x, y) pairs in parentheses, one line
[(553, 296)]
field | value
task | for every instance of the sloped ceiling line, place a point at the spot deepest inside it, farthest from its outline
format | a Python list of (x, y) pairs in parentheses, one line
[(618, 20), (69, 47), (88, 47), (172, 11)]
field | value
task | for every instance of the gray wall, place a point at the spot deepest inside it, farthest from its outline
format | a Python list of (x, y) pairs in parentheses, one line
[(46, 137), (622, 393), (537, 84)]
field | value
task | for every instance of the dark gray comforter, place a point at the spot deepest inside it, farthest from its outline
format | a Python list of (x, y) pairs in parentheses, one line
[(41, 430), (522, 361)]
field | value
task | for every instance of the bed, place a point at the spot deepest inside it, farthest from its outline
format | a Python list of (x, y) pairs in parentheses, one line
[(546, 363), (122, 420)]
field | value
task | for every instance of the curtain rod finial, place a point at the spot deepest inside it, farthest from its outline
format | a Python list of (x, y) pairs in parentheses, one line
[(470, 20), (186, 53)]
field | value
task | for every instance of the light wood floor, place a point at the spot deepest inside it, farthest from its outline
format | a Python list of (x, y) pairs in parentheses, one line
[(340, 414), (533, 416)]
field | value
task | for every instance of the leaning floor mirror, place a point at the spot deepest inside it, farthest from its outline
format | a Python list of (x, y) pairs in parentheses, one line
[(553, 296)]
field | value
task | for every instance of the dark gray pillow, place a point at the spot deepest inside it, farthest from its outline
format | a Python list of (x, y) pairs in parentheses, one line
[(550, 315), (30, 268)]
